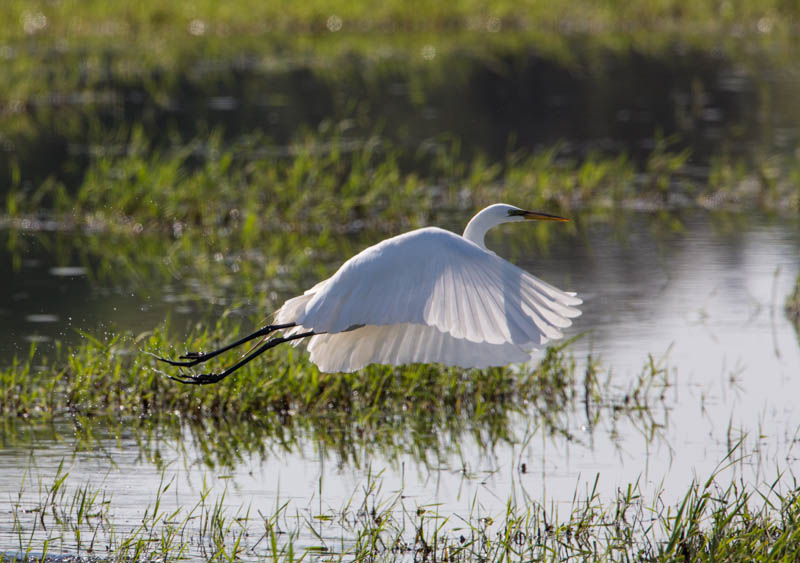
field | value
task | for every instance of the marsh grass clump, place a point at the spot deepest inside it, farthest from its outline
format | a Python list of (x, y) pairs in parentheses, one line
[(418, 409), (66, 520), (711, 522), (100, 390), (238, 196), (326, 183), (118, 376), (191, 115)]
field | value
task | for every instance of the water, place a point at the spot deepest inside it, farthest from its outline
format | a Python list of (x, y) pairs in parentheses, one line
[(734, 97), (698, 294), (706, 301)]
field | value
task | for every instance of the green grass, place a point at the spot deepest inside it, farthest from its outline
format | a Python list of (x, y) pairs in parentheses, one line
[(115, 387), (116, 376), (712, 522), (414, 409), (106, 107), (328, 186), (98, 81), (148, 18)]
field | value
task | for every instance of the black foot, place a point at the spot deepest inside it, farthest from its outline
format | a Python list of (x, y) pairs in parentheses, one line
[(193, 358), (198, 379)]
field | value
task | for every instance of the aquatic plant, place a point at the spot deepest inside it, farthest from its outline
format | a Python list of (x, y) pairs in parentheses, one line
[(713, 521), (284, 395), (98, 389), (238, 197)]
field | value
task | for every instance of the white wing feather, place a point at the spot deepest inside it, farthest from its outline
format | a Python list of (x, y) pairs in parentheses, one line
[(404, 344), (428, 296)]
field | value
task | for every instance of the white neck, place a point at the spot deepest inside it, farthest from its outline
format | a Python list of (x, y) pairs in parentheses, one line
[(486, 219)]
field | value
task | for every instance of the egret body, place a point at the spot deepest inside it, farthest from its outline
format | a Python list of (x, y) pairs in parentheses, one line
[(428, 295)]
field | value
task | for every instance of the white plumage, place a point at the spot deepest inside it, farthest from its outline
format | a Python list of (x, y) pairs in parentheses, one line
[(430, 295), (425, 296)]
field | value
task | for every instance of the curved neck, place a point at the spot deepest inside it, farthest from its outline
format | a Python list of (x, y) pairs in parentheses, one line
[(477, 227)]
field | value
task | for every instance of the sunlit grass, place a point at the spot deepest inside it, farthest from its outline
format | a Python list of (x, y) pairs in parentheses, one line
[(111, 387), (146, 18), (118, 378), (713, 521), (329, 185), (122, 127), (99, 95)]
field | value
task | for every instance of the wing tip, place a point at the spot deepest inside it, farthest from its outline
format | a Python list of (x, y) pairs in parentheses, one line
[(574, 299)]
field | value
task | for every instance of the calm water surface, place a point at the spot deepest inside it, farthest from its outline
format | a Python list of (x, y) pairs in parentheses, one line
[(706, 302)]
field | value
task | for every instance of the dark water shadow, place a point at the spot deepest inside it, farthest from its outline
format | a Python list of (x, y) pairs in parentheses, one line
[(598, 99)]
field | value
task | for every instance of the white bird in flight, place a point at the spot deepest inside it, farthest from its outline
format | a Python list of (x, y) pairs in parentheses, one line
[(428, 295)]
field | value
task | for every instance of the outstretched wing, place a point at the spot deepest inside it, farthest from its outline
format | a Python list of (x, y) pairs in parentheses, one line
[(405, 344), (434, 278)]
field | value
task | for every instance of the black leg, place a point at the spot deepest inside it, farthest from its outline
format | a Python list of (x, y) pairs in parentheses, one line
[(207, 378), (194, 358)]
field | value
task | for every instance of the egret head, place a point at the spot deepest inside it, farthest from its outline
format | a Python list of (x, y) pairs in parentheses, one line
[(501, 213)]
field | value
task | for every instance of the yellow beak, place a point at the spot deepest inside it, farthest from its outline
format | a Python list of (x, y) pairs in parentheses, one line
[(538, 216)]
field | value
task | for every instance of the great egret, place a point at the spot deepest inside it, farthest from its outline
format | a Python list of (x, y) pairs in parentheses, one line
[(428, 295)]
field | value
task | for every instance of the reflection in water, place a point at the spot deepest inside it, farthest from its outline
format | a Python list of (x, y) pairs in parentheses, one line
[(793, 307), (261, 461), (705, 300), (599, 97), (429, 436)]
